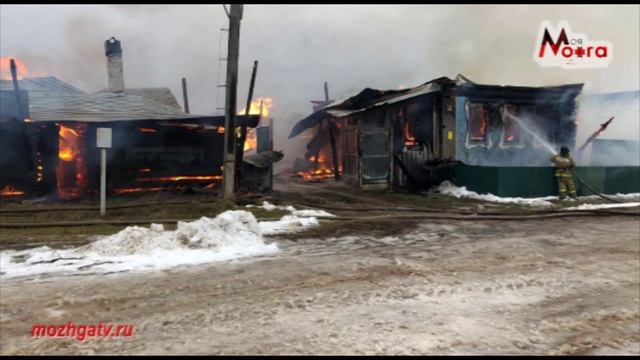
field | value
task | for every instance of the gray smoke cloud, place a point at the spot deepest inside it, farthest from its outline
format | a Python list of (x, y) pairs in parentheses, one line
[(301, 46)]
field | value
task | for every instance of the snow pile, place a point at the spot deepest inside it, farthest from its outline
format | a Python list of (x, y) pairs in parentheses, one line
[(231, 229), (603, 206), (287, 224), (618, 196), (132, 240), (301, 213), (231, 235), (448, 188)]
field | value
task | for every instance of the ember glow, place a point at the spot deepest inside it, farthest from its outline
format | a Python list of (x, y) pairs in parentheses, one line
[(483, 126), (182, 178), (147, 130), (136, 190), (321, 174), (9, 190), (323, 171)]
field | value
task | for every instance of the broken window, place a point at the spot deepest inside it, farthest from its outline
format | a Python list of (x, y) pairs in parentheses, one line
[(477, 116), (510, 131), (407, 118)]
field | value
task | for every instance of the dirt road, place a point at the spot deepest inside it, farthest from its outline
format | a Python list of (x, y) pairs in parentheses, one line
[(563, 286)]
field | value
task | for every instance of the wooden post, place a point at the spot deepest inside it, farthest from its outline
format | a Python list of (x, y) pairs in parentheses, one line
[(235, 15), (271, 148), (28, 146), (326, 102), (326, 93), (243, 129), (334, 150), (185, 97)]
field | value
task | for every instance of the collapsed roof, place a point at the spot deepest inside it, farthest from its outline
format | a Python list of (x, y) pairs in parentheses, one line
[(368, 98)]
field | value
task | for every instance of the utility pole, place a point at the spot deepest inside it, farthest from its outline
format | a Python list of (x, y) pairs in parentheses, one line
[(229, 172)]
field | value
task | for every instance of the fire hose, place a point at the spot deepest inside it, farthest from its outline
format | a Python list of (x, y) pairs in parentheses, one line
[(591, 189)]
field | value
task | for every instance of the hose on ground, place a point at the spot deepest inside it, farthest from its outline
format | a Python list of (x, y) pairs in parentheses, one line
[(591, 189)]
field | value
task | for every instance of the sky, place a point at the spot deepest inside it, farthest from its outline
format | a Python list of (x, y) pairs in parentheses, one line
[(301, 46)]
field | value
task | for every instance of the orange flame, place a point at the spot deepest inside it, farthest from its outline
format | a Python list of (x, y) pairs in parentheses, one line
[(259, 106), (325, 170), (71, 171), (21, 69), (68, 143), (318, 175), (483, 126), (147, 130), (251, 142), (409, 139)]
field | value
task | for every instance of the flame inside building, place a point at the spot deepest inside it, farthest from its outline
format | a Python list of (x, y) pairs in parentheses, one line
[(48, 137), (260, 107), (410, 138), (71, 171)]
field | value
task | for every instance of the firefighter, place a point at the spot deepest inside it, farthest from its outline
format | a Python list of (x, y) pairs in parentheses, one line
[(564, 164)]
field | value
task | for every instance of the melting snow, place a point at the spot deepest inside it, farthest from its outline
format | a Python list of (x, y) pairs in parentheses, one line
[(603, 206), (305, 213), (448, 188), (231, 235)]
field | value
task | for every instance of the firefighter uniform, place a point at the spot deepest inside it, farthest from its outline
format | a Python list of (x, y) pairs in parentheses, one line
[(563, 175)]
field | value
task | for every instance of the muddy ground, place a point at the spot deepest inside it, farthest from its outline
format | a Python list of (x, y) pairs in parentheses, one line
[(553, 286)]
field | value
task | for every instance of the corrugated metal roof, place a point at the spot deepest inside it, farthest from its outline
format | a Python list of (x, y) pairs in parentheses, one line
[(371, 98), (47, 84), (414, 92), (51, 99), (365, 100)]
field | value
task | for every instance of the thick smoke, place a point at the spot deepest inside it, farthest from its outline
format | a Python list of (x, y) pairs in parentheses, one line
[(301, 46)]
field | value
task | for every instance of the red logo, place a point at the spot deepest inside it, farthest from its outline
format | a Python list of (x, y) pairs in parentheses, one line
[(564, 48)]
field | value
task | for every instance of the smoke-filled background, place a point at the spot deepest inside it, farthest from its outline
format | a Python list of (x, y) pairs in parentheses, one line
[(301, 46)]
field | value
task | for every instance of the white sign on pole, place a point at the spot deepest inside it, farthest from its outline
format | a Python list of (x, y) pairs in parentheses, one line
[(103, 136)]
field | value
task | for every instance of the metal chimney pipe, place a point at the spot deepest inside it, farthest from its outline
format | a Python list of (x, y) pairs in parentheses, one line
[(113, 51)]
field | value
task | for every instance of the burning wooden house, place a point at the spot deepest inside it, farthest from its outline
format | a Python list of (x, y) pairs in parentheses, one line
[(403, 138), (48, 137)]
